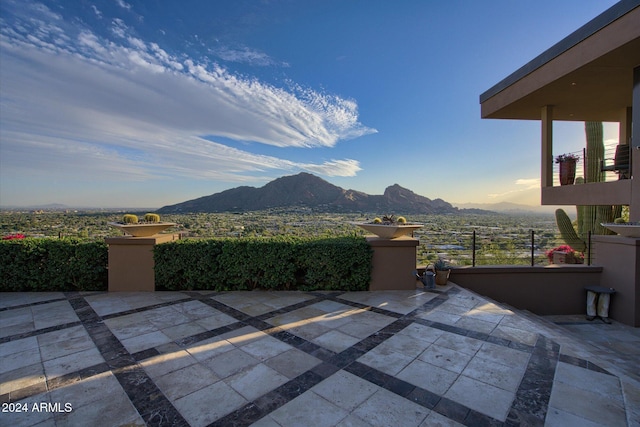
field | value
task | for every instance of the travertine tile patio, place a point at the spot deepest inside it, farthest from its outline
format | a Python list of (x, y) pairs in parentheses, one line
[(403, 358)]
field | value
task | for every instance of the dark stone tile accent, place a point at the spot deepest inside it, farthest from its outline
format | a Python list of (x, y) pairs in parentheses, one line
[(395, 385), (299, 385), (454, 291), (499, 341), (31, 304), (145, 354), (289, 308), (430, 305), (399, 387), (477, 419), (585, 364), (396, 326), (183, 342), (27, 391), (370, 342), (316, 351), (520, 346), (162, 418), (236, 314), (143, 309), (478, 335), (200, 295), (38, 332), (121, 362), (93, 370), (518, 418), (346, 357), (548, 345), (244, 416), (358, 369), (147, 398), (532, 398), (287, 337), (325, 370), (151, 404), (63, 380), (593, 367), (452, 410), (449, 328), (575, 322), (271, 401), (260, 325), (423, 397)]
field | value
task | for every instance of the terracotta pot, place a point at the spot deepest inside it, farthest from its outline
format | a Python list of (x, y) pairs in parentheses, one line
[(567, 172), (442, 277)]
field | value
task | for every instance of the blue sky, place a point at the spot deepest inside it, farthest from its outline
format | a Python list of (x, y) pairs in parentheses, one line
[(146, 103)]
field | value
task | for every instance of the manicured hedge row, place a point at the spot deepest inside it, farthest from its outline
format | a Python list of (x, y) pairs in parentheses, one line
[(216, 264), (269, 263), (53, 265)]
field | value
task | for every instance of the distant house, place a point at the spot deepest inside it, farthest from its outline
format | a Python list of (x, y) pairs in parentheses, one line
[(591, 75)]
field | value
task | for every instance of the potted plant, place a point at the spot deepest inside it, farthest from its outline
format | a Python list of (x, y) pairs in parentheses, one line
[(389, 227), (149, 227), (564, 254), (443, 270), (567, 163)]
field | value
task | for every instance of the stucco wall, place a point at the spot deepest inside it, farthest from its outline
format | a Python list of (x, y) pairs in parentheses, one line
[(541, 290)]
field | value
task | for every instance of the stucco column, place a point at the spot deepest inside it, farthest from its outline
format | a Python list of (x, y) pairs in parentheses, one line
[(634, 205), (131, 265), (620, 260), (394, 263), (546, 159)]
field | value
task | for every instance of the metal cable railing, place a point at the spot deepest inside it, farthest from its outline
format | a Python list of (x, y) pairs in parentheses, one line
[(581, 157), (532, 249)]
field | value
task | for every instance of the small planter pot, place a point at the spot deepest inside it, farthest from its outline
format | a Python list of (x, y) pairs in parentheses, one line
[(567, 172), (391, 231), (143, 230), (442, 277)]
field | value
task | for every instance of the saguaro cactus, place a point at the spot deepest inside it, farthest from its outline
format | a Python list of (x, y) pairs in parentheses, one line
[(568, 232), (589, 217)]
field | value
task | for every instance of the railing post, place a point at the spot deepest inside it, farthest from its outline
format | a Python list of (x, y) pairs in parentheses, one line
[(589, 248), (473, 250), (532, 248)]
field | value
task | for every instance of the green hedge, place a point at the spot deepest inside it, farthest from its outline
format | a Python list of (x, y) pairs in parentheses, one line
[(269, 263), (218, 264), (53, 265)]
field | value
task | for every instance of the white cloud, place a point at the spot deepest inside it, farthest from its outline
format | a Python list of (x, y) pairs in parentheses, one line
[(96, 11), (529, 183), (245, 55), (346, 167), (119, 28), (525, 184), (135, 111), (123, 4)]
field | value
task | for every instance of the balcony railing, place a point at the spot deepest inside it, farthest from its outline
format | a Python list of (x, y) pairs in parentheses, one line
[(478, 248), (609, 158)]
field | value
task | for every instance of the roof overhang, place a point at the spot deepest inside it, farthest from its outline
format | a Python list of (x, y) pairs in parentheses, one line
[(588, 76)]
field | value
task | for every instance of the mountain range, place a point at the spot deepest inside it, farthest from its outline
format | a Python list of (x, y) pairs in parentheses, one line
[(307, 190)]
